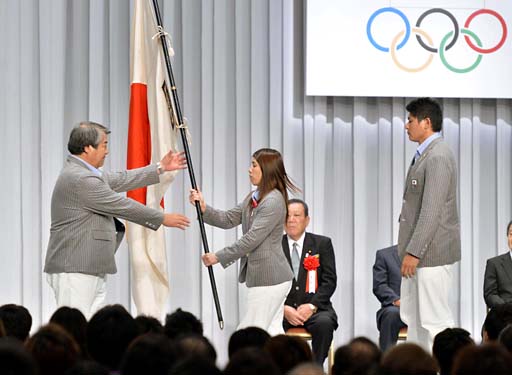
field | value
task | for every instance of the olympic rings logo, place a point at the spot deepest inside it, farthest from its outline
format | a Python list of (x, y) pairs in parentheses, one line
[(447, 42)]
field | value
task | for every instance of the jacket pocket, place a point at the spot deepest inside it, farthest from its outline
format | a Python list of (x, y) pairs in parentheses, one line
[(102, 235)]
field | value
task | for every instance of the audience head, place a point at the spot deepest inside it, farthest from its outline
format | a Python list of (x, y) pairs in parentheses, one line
[(152, 353), (17, 321), (505, 337), (247, 337), (407, 359), (14, 358), (148, 324), (182, 323), (288, 351), (109, 332), (252, 361), (307, 369), (53, 349), (194, 366), (427, 108), (483, 360), (74, 322), (446, 346), (497, 318), (87, 367), (359, 356), (195, 346)]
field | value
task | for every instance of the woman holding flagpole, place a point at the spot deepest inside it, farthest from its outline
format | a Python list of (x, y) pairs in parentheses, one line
[(264, 267)]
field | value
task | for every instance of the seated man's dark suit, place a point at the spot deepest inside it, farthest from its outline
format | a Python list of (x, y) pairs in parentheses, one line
[(386, 287), (324, 321), (498, 280)]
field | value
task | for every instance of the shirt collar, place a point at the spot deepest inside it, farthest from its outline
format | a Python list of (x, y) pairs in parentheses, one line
[(300, 243), (93, 169), (424, 145)]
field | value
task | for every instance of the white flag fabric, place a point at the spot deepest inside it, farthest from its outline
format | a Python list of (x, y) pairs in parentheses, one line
[(150, 136)]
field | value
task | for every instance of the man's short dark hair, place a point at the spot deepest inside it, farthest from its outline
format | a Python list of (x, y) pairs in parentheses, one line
[(497, 318), (253, 361), (505, 337), (247, 337), (74, 322), (17, 321), (87, 133), (408, 359), (508, 227), (182, 323), (109, 332), (485, 359), (148, 324), (152, 353), (195, 346), (423, 108), (447, 344), (360, 356), (300, 201), (53, 349)]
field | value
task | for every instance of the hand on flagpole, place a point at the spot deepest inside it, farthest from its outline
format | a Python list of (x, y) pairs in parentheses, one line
[(176, 221), (173, 161), (196, 195), (210, 259)]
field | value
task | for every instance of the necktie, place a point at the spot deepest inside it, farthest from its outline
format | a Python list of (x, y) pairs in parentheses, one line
[(295, 260), (416, 157)]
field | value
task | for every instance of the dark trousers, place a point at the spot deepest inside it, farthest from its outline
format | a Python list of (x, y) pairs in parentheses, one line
[(321, 326), (389, 326)]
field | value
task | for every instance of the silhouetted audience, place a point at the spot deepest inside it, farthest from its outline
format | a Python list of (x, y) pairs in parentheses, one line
[(486, 359), (253, 361), (119, 344), (53, 349), (195, 346), (288, 351), (246, 338), (182, 323), (17, 321), (505, 337), (497, 318), (360, 356), (109, 332), (407, 359), (15, 359), (152, 353), (148, 324), (74, 322), (447, 344)]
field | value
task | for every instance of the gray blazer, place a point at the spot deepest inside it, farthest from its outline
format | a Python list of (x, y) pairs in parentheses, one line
[(83, 236), (429, 221), (498, 280), (263, 262)]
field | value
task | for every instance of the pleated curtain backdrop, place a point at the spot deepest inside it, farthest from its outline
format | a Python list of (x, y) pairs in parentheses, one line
[(239, 68)]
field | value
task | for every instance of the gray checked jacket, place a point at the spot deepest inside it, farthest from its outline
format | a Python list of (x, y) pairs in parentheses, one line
[(83, 236), (263, 262), (429, 220)]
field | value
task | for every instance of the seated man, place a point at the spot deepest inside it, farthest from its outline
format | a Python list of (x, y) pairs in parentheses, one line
[(386, 287), (308, 304), (498, 276)]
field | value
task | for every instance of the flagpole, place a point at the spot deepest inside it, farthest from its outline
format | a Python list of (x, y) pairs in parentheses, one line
[(183, 134)]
